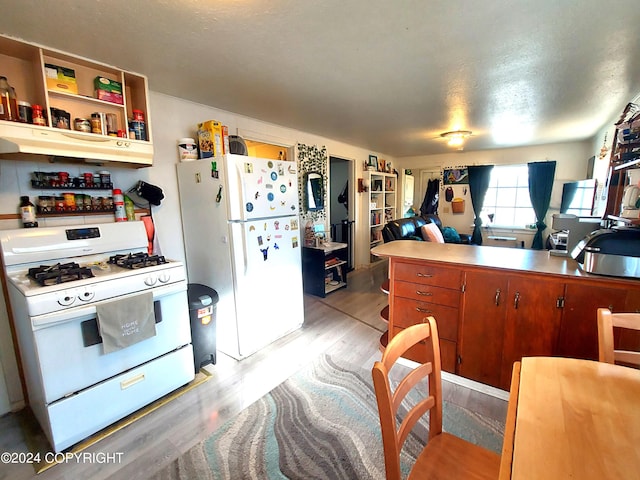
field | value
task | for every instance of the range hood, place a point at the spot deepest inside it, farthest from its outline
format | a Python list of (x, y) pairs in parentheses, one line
[(28, 142)]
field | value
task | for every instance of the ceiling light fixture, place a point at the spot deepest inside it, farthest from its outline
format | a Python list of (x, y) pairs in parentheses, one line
[(456, 138)]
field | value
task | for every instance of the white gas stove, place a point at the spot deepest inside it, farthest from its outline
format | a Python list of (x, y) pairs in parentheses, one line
[(58, 279)]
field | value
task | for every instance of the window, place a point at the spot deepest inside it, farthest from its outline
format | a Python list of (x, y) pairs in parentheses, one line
[(507, 202)]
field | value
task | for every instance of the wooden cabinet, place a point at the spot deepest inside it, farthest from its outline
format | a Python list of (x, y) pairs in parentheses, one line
[(324, 268), (482, 326), (422, 290), (579, 332), (381, 206), (532, 323), (504, 318), (27, 68)]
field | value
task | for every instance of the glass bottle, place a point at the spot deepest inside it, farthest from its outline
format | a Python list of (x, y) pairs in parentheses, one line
[(28, 213), (9, 109)]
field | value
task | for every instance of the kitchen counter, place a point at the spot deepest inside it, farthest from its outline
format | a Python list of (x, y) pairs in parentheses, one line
[(496, 305), (513, 259)]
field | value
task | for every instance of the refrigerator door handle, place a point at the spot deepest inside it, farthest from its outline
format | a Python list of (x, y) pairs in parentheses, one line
[(245, 249)]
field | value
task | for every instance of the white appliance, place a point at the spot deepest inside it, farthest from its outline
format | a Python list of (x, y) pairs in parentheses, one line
[(631, 202), (58, 278), (242, 238), (574, 229)]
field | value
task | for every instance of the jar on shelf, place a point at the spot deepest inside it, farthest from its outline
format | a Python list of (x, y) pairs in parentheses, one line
[(112, 124), (88, 179), (46, 203), (107, 204), (63, 178), (37, 115), (59, 203), (138, 115), (105, 178), (69, 201), (24, 112), (96, 123), (9, 105), (82, 125)]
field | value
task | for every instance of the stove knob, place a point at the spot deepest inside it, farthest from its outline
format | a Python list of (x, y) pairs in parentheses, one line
[(86, 296), (150, 281), (66, 299), (164, 277)]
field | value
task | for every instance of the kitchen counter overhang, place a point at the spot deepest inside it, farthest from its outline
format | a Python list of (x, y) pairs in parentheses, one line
[(499, 258)]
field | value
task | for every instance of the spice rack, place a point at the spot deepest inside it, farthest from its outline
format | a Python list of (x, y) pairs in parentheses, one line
[(71, 203), (24, 65)]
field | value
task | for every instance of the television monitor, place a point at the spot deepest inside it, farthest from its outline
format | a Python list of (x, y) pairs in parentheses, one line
[(578, 197)]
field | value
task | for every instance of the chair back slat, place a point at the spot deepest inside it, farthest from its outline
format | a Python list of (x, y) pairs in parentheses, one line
[(607, 352)]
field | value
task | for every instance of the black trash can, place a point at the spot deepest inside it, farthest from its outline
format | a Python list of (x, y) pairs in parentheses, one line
[(202, 313)]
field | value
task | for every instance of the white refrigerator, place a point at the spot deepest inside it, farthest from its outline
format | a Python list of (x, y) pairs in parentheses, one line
[(242, 238)]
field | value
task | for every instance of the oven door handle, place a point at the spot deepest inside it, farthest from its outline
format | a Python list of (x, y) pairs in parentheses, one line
[(73, 313)]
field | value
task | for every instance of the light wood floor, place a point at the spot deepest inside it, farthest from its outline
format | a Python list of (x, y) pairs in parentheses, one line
[(345, 324)]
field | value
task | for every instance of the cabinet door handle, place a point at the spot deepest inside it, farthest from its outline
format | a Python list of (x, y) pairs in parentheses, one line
[(424, 294), (516, 300), (424, 275), (423, 310), (497, 297)]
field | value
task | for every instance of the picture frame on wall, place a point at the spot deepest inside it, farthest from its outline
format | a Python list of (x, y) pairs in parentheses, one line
[(455, 176), (373, 163)]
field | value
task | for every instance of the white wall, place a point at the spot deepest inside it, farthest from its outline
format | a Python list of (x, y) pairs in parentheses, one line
[(571, 164)]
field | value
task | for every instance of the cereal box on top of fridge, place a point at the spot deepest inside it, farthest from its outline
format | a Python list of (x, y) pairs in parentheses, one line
[(210, 139)]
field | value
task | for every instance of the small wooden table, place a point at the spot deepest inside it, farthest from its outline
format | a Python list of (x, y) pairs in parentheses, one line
[(572, 418)]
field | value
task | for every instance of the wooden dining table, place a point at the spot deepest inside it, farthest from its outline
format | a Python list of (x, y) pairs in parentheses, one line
[(572, 419)]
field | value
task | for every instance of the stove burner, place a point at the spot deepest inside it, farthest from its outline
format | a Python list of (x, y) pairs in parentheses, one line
[(137, 260), (47, 275)]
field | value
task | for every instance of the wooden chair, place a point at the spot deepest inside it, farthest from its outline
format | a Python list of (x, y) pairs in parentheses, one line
[(606, 351), (445, 455)]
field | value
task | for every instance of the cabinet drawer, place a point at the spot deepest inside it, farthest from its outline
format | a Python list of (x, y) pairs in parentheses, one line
[(78, 416), (408, 312), (447, 354), (428, 275), (427, 293)]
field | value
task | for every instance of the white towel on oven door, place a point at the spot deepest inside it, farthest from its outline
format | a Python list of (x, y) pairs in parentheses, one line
[(124, 322)]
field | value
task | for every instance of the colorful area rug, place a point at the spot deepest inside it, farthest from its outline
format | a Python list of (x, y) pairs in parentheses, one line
[(321, 423)]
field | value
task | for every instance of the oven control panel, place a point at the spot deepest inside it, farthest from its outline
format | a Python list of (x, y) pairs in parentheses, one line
[(82, 233)]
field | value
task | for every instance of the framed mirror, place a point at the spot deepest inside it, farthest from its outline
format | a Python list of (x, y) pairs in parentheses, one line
[(314, 191)]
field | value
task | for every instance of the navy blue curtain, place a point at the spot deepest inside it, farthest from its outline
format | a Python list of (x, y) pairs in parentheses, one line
[(541, 176), (479, 176)]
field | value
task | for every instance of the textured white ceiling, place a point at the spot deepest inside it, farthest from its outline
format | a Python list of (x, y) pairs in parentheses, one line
[(385, 75)]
